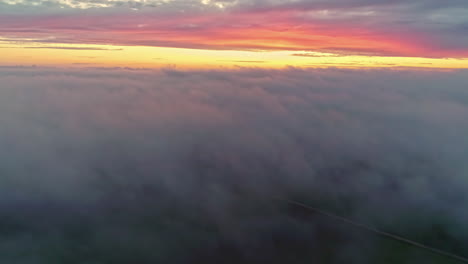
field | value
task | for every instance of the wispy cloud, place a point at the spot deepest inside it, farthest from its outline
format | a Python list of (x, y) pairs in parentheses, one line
[(371, 28), (72, 48)]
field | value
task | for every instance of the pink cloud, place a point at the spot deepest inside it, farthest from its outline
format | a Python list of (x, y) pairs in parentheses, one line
[(241, 30)]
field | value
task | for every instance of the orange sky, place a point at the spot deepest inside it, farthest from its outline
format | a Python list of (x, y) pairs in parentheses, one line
[(81, 55), (212, 34)]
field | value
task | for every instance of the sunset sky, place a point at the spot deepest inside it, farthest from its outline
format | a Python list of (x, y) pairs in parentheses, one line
[(233, 131), (233, 33)]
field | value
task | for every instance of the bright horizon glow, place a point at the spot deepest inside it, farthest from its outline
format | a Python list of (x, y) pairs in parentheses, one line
[(159, 57)]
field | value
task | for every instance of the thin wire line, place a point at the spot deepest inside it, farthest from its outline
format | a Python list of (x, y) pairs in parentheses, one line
[(379, 232)]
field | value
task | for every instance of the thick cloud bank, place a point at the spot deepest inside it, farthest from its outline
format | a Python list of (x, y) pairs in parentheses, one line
[(135, 166)]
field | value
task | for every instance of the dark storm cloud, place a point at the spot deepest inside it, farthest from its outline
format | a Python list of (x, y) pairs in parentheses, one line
[(125, 166)]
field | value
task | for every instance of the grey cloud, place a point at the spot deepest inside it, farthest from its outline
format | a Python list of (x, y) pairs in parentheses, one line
[(125, 166)]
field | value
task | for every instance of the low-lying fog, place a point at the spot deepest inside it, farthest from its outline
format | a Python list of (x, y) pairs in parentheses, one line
[(136, 166)]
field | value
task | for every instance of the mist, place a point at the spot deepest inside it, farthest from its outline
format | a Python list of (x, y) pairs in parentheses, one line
[(169, 166)]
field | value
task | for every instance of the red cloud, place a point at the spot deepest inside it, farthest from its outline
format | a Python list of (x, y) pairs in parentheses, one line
[(246, 30)]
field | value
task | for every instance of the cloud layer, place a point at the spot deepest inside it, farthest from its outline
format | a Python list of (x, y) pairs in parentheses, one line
[(125, 166), (400, 28)]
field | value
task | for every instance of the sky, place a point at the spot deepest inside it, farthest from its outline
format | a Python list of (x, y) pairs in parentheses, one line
[(235, 33)]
